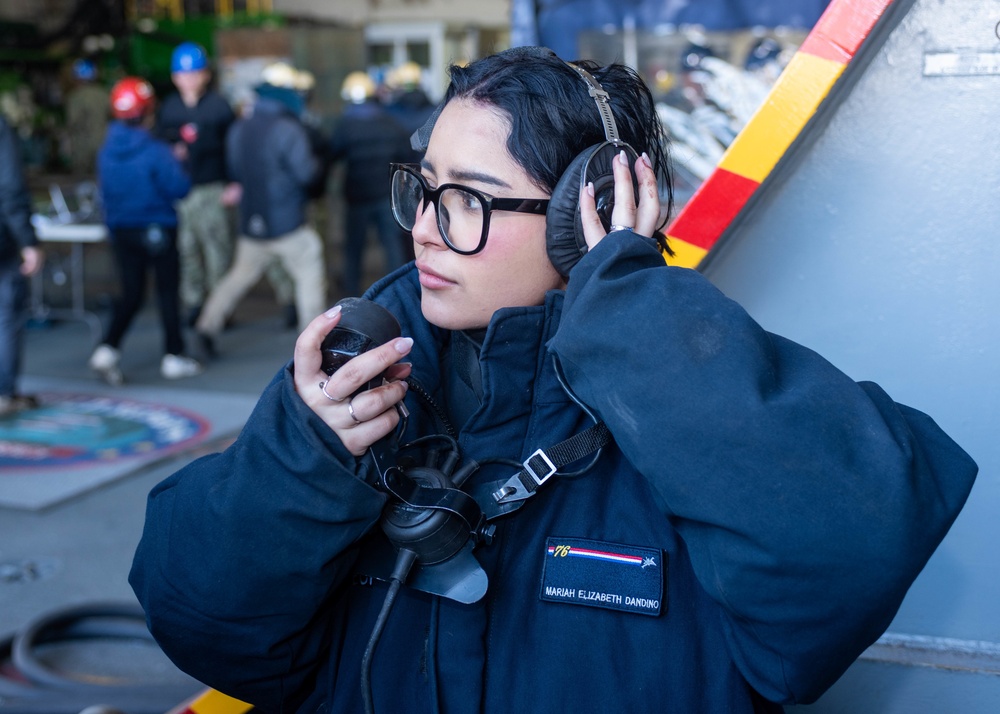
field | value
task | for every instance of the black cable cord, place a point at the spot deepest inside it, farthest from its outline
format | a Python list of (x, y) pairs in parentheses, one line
[(404, 561), (421, 440), (503, 461), (429, 402), (587, 410)]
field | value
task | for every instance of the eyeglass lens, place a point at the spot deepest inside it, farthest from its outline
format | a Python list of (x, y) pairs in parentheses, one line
[(460, 214)]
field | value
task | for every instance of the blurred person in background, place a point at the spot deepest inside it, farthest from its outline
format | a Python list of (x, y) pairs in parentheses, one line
[(86, 118), (304, 82), (766, 60), (408, 103), (367, 139), (20, 258), (140, 180), (195, 121), (270, 156)]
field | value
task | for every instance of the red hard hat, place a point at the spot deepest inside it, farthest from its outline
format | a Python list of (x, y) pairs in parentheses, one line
[(131, 98)]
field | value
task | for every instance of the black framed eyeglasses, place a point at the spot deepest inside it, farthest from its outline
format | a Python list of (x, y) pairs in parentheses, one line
[(463, 213)]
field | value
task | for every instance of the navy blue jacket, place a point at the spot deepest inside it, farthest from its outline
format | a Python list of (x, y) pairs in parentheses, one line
[(16, 231), (782, 510), (139, 177), (368, 139), (271, 154)]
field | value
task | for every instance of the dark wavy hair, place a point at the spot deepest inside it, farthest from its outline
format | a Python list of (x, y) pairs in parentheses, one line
[(553, 117)]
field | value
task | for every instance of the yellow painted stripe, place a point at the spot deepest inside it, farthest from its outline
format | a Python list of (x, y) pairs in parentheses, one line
[(215, 702), (685, 254), (794, 99)]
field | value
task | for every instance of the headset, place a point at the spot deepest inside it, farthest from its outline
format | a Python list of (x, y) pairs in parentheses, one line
[(565, 241), (563, 225), (427, 515), (431, 525)]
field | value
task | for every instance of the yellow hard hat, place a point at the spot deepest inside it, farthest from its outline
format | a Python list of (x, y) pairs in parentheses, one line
[(358, 87), (405, 75), (305, 81)]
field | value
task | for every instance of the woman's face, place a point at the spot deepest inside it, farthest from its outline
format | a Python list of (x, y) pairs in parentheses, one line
[(459, 292)]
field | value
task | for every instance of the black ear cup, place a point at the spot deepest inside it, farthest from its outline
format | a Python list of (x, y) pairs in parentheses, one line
[(563, 230)]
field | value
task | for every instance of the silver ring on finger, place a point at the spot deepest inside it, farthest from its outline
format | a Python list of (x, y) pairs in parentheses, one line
[(322, 386), (617, 227), (350, 410)]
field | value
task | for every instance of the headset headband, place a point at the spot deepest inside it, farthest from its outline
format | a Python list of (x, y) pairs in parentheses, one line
[(421, 136), (603, 106)]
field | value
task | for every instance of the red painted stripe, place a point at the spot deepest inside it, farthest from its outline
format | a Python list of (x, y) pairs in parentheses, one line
[(717, 201), (842, 28)]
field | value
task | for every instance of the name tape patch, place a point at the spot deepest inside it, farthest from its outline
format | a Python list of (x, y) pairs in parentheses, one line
[(608, 575)]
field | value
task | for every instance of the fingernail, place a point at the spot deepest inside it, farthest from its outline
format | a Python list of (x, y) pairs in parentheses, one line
[(333, 311), (645, 160), (590, 188), (403, 345)]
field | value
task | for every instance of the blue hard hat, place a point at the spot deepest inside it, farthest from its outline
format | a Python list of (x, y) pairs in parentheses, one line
[(764, 51), (84, 69), (188, 57)]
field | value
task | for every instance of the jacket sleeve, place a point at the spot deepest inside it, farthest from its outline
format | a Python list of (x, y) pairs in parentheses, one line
[(809, 503), (170, 177), (234, 158), (243, 551), (15, 200), (297, 153)]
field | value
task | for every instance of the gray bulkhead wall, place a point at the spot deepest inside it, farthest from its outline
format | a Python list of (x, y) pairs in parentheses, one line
[(878, 245)]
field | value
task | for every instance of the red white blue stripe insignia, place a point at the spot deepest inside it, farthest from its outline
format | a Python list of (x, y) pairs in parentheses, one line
[(612, 576), (571, 552)]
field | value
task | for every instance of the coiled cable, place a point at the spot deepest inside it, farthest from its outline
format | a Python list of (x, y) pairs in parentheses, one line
[(31, 686)]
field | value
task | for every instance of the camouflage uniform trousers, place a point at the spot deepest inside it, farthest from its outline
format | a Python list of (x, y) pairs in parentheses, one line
[(205, 241)]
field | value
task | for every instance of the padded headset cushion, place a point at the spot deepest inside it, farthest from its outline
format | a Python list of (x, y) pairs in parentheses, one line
[(565, 241)]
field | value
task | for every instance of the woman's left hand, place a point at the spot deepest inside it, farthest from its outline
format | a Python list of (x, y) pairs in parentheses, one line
[(641, 219)]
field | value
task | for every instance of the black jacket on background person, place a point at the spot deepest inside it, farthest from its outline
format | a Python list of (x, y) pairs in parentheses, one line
[(209, 120), (412, 109), (368, 139), (16, 231)]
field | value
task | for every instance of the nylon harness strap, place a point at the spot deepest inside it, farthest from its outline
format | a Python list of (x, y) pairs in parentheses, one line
[(506, 496)]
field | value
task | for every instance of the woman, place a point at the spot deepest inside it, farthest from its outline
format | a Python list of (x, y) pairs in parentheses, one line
[(751, 529)]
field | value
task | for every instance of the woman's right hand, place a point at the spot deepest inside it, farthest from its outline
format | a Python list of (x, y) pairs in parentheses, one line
[(362, 420)]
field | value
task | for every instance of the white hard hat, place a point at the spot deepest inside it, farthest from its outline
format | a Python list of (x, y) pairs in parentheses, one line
[(357, 87), (405, 75), (280, 74)]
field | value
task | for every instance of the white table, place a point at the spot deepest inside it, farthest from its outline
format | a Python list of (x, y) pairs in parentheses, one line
[(77, 235)]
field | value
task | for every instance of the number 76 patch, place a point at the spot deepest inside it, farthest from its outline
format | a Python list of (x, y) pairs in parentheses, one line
[(607, 575)]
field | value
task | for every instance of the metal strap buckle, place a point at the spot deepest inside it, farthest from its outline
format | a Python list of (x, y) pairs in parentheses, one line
[(546, 462)]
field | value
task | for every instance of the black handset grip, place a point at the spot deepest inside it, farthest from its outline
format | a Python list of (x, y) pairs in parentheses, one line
[(363, 325)]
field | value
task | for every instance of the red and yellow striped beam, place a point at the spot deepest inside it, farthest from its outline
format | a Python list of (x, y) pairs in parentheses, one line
[(792, 102)]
